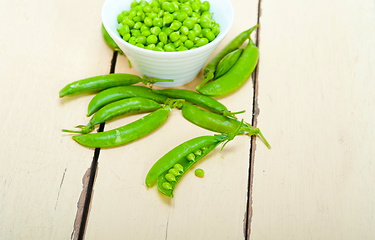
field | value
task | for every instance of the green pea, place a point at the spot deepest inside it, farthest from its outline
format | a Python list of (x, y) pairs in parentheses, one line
[(205, 31), (124, 29), (135, 33), (169, 7), (197, 29), (158, 22), (129, 22), (201, 42), (160, 44), (178, 43), (161, 13), (170, 177), (137, 19), (199, 172), (150, 47), (156, 10), (167, 185), (163, 37), (167, 30), (183, 38), (158, 49), (133, 40), (189, 23), (137, 25), (144, 28), (174, 36), (216, 30), (189, 44), (152, 39), (174, 172), (169, 47), (191, 35), (190, 157), (186, 9), (154, 4), (210, 36), (184, 30), (147, 9), (167, 18), (155, 30), (146, 33), (126, 37), (175, 25), (198, 152), (134, 4), (148, 21), (181, 16), (141, 39), (196, 6), (152, 15), (140, 45), (179, 167), (182, 48), (205, 6), (205, 22)]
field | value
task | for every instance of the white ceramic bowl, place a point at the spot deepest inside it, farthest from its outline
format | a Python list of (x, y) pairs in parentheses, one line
[(183, 66)]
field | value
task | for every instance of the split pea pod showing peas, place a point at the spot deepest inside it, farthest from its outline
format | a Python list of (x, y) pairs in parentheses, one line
[(209, 70), (116, 109), (125, 134), (218, 123), (98, 83), (236, 76), (117, 93), (198, 99), (169, 169)]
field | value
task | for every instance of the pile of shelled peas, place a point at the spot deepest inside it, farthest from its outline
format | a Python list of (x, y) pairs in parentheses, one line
[(169, 26)]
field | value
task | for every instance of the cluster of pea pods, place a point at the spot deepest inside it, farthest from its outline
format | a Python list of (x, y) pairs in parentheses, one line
[(118, 96)]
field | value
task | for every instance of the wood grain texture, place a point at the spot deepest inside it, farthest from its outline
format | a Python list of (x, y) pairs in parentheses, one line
[(44, 46), (213, 207), (316, 100)]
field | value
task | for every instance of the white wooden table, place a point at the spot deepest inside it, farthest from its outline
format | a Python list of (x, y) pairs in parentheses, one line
[(312, 96)]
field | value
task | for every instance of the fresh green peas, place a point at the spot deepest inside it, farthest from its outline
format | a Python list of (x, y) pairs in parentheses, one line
[(160, 44), (135, 33), (186, 9), (168, 18), (170, 177), (181, 16), (167, 30), (189, 44), (129, 22), (189, 23), (169, 7), (169, 47), (152, 39), (179, 167), (163, 37), (126, 37), (147, 9), (198, 152), (148, 21), (150, 46), (140, 45), (141, 39), (191, 35), (199, 172), (196, 5), (157, 22), (205, 22), (175, 25), (183, 38), (205, 6), (158, 49), (182, 48), (138, 25), (155, 30), (197, 29), (190, 157), (167, 186), (144, 28), (146, 33), (210, 36), (174, 36), (202, 42), (133, 40), (174, 171)]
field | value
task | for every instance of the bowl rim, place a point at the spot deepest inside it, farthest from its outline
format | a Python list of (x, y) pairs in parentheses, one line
[(148, 52)]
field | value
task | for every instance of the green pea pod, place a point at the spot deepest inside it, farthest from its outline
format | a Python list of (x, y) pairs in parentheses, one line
[(198, 99), (228, 62), (236, 76), (125, 134), (112, 44), (209, 70), (218, 123), (117, 93), (102, 82), (117, 109)]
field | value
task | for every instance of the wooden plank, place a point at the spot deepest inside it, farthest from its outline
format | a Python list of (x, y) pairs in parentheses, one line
[(44, 46), (316, 100), (210, 208)]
